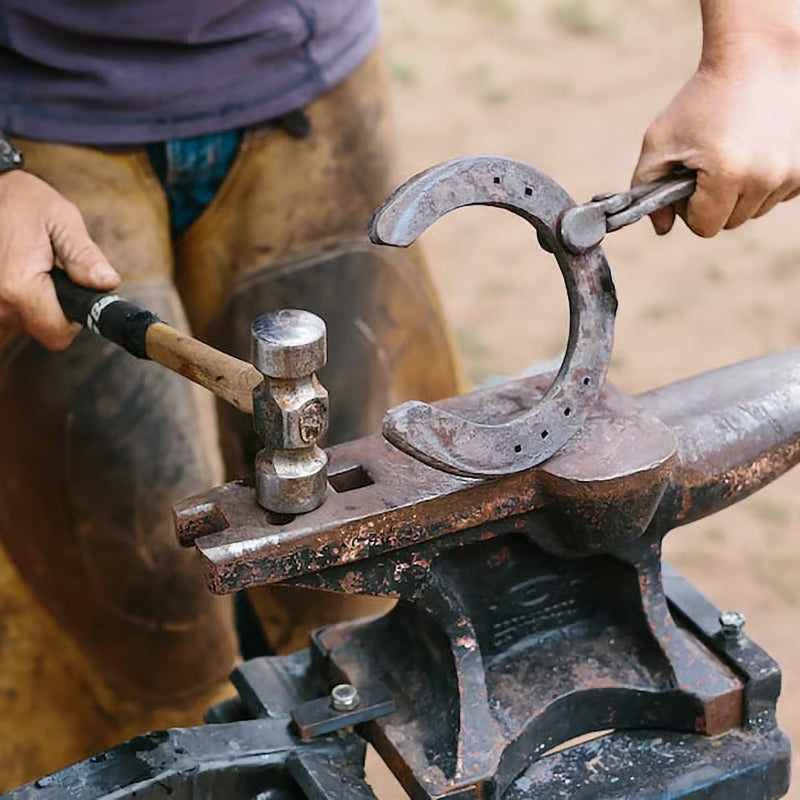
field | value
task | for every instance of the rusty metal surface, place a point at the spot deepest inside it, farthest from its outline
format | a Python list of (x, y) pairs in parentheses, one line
[(647, 765), (404, 502), (533, 607), (504, 652), (250, 750), (520, 529), (442, 437), (736, 429), (660, 460)]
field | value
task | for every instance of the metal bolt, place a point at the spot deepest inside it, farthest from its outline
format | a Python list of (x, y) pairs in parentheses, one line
[(344, 697), (731, 625)]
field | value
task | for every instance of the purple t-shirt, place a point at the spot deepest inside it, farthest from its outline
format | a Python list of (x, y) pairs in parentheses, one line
[(103, 72)]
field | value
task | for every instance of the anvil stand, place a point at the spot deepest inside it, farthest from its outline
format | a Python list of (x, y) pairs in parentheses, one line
[(533, 609)]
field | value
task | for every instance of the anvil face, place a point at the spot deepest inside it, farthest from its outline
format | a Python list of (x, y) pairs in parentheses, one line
[(646, 463)]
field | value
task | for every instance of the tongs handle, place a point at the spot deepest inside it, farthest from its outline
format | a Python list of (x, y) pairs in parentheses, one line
[(650, 197)]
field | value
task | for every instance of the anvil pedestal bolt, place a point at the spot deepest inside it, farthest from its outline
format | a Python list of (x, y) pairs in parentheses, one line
[(290, 411), (344, 697), (731, 625)]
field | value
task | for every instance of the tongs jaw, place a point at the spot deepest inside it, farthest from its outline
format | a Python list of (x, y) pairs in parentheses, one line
[(583, 227)]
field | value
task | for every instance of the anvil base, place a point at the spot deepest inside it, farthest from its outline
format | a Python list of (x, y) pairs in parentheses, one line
[(253, 751)]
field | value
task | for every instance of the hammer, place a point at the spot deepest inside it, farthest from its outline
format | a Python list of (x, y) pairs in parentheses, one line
[(291, 406), (143, 335)]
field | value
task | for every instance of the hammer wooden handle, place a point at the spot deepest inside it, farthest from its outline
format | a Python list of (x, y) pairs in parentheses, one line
[(142, 334), (229, 378)]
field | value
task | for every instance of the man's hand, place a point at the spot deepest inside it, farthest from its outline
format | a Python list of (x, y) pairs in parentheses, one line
[(37, 227), (737, 121)]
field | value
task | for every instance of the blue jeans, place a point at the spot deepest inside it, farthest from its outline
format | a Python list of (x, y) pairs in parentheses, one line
[(191, 171)]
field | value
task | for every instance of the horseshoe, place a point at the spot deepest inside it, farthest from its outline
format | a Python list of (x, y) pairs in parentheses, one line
[(457, 445)]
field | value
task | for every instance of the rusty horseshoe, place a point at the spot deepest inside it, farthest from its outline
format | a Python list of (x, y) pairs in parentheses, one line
[(464, 447)]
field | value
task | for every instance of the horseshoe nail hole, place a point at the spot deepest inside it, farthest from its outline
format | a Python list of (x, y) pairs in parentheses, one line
[(496, 179), (528, 191), (567, 411), (586, 381), (545, 434), (517, 448)]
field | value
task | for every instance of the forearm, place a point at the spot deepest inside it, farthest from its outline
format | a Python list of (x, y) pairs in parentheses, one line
[(733, 26)]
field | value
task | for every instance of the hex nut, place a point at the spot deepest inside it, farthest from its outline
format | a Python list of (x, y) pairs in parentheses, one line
[(731, 625), (344, 697)]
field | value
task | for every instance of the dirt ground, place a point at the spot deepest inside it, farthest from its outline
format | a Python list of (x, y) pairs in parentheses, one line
[(570, 85)]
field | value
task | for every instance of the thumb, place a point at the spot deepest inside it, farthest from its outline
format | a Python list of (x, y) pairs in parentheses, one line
[(75, 251)]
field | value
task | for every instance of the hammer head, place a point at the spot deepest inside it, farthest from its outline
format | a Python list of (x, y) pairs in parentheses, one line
[(290, 411)]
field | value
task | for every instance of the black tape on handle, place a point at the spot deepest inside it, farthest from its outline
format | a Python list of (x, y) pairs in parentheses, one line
[(103, 313)]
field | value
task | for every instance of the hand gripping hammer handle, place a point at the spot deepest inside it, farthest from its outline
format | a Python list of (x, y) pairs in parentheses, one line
[(143, 335)]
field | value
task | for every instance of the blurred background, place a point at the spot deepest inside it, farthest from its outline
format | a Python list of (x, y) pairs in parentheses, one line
[(570, 86)]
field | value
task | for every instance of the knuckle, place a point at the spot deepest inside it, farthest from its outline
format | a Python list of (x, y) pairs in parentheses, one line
[(62, 339), (658, 132), (70, 213), (793, 181), (794, 192), (768, 178), (727, 162), (728, 181), (63, 215), (48, 338), (56, 342), (81, 250)]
